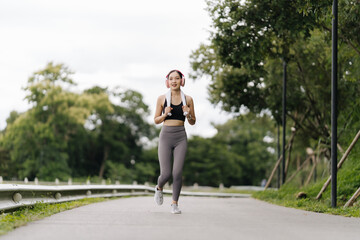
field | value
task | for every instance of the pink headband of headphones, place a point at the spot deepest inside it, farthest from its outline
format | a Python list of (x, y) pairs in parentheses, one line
[(182, 78)]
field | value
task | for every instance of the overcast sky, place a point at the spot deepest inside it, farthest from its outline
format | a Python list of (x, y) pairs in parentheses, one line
[(109, 43)]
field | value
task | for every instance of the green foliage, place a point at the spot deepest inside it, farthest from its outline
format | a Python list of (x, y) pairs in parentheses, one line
[(236, 155), (247, 32), (348, 180), (116, 130), (204, 162), (67, 133), (250, 41), (118, 171), (347, 183), (37, 139), (348, 18)]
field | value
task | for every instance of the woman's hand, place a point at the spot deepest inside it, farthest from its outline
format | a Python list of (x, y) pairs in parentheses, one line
[(185, 109), (167, 110), (190, 110)]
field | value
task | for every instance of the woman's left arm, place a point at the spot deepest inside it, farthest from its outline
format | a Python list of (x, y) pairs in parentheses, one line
[(190, 109)]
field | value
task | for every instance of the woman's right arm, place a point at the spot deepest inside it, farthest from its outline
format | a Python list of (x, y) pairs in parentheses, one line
[(159, 116)]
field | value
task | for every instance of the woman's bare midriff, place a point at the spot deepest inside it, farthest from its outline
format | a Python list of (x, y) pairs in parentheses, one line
[(173, 122)]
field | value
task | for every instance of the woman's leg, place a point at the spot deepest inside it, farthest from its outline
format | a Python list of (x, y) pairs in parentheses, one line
[(165, 156), (179, 159)]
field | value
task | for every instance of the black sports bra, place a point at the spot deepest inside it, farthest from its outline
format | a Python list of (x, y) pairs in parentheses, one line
[(177, 112)]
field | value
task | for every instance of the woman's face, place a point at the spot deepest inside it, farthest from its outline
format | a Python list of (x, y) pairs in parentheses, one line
[(174, 80)]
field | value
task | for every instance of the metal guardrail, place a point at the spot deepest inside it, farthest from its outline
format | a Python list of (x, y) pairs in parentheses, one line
[(18, 195), (14, 195)]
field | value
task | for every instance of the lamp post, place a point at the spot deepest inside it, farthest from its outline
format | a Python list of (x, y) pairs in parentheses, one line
[(284, 120), (278, 154), (334, 104)]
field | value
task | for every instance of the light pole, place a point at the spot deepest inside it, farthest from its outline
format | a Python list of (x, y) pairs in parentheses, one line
[(284, 120), (278, 154), (334, 104)]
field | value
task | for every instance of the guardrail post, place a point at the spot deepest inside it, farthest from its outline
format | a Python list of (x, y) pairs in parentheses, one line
[(117, 182), (88, 182), (26, 180), (69, 181), (56, 181), (1, 179), (57, 196), (36, 181), (103, 182), (17, 197)]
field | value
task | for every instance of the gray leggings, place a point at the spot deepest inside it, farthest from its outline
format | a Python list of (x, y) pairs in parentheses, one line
[(172, 143)]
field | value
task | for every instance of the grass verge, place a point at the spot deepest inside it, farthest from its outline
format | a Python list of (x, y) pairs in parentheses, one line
[(20, 217), (286, 196), (348, 181)]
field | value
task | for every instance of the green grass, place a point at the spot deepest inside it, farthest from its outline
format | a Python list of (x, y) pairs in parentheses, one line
[(287, 197), (10, 221), (348, 181)]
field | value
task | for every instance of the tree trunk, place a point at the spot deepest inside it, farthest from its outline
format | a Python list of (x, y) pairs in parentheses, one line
[(326, 184), (289, 154), (312, 170), (102, 166), (273, 172), (353, 198)]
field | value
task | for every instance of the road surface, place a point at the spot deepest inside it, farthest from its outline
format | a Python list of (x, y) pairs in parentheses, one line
[(202, 218)]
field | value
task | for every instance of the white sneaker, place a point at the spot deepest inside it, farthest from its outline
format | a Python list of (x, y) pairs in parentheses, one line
[(159, 199), (175, 209)]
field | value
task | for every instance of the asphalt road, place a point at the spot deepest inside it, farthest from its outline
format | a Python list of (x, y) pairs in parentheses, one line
[(202, 218)]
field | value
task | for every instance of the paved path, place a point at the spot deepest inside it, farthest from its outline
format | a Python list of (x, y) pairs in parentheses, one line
[(202, 218)]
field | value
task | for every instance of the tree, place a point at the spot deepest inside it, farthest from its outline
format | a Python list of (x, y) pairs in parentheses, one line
[(244, 60), (203, 162), (37, 139), (349, 16), (66, 133), (240, 153), (117, 130), (251, 137), (245, 36)]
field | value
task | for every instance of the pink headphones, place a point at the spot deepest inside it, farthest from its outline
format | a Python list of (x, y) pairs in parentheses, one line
[(182, 78)]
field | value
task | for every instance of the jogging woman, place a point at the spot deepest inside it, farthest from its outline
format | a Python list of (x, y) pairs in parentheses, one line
[(172, 109)]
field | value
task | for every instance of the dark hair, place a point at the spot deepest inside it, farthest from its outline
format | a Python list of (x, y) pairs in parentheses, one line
[(180, 74)]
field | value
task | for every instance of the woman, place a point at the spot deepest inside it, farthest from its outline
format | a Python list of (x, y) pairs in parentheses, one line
[(173, 139)]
